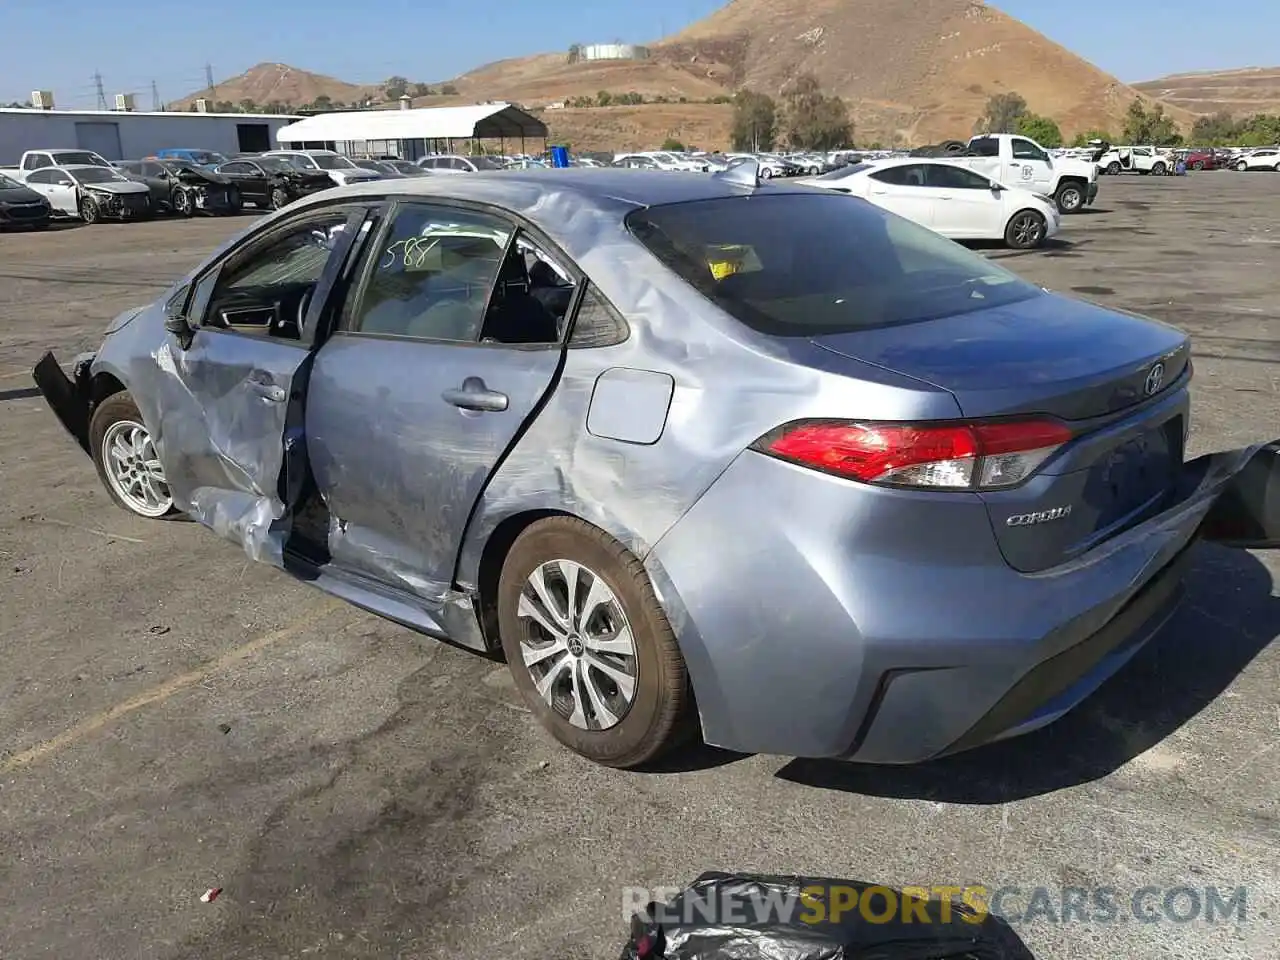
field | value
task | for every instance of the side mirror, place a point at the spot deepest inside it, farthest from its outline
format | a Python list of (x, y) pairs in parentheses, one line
[(997, 187), (175, 321)]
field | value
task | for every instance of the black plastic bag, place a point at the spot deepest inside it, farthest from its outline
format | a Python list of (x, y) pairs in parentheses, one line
[(723, 916)]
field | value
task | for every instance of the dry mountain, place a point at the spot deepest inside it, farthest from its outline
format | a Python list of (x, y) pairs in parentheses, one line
[(912, 71), (1237, 92)]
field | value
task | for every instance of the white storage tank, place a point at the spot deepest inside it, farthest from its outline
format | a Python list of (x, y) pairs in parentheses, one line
[(614, 51)]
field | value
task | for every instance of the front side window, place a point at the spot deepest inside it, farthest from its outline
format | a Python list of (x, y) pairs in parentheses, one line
[(265, 290), (435, 269), (906, 175), (40, 176), (1026, 150), (839, 173), (803, 265), (985, 146)]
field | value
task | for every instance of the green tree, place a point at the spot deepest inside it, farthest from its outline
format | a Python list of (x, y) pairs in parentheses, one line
[(755, 121), (671, 143), (1002, 113), (420, 90), (247, 106), (1143, 126), (448, 90), (322, 103), (814, 121), (1042, 130), (395, 88), (604, 98)]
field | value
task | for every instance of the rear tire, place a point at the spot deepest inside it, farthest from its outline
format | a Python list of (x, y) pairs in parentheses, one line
[(125, 456), (1159, 170), (1026, 230), (616, 708), (1198, 165)]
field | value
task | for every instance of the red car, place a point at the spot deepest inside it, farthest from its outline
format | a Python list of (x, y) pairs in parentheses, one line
[(1203, 160)]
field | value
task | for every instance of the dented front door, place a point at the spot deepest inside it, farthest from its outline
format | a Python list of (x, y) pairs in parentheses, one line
[(231, 398)]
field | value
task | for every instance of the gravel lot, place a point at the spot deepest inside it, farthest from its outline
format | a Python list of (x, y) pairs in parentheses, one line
[(173, 718)]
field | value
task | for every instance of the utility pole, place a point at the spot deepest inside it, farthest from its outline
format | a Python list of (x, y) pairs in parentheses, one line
[(102, 96), (208, 77), (156, 105)]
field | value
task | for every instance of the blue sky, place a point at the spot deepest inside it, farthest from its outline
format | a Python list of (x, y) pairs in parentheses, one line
[(132, 43)]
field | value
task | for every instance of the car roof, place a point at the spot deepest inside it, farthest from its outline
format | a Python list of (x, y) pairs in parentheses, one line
[(560, 201)]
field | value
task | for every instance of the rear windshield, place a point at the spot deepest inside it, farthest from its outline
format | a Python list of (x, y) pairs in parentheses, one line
[(804, 265), (68, 158)]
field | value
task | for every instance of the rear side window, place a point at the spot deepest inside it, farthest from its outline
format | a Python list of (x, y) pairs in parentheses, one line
[(803, 265)]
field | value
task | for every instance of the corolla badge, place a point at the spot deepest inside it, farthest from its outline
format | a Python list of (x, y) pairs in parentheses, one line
[(1155, 380), (1040, 516)]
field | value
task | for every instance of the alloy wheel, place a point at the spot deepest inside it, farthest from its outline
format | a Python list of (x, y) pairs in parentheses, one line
[(134, 469), (1028, 230), (577, 645)]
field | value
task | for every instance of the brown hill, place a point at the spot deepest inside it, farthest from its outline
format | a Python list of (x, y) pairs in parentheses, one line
[(1237, 92), (280, 83)]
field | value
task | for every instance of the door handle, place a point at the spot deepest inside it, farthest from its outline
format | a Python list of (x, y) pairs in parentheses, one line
[(474, 395), (263, 387)]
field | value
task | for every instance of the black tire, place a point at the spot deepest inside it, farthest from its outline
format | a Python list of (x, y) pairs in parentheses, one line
[(1026, 230), (89, 211), (184, 204), (117, 407), (1198, 165), (1070, 197), (1113, 168), (279, 198), (1158, 169), (659, 717), (1242, 167)]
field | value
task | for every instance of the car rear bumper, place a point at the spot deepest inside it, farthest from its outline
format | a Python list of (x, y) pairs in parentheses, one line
[(825, 619), (67, 396)]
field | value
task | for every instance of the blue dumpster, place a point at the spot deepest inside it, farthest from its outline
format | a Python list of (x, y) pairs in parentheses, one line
[(559, 156)]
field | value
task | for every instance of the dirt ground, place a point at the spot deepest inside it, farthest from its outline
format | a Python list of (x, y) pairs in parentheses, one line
[(175, 718)]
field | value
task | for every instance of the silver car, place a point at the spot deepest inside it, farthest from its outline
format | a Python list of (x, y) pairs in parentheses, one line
[(691, 451)]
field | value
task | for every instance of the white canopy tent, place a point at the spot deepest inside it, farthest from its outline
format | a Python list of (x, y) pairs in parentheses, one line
[(414, 132)]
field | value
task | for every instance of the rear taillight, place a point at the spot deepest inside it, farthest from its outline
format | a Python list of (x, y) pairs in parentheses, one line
[(950, 456)]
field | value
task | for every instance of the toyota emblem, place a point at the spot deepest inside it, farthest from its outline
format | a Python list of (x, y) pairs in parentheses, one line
[(1155, 380)]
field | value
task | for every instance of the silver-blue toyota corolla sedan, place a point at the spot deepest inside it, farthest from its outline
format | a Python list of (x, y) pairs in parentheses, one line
[(691, 451)]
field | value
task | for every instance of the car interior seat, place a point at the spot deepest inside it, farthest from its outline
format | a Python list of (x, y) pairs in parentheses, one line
[(915, 178), (545, 285), (515, 315)]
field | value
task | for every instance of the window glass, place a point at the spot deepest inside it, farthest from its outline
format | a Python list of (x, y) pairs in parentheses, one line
[(41, 160), (985, 146), (433, 276), (40, 176), (954, 178), (1026, 150), (266, 289), (839, 173), (906, 175), (597, 323), (814, 264)]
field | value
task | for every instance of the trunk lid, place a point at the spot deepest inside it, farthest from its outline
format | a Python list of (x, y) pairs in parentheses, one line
[(1119, 380)]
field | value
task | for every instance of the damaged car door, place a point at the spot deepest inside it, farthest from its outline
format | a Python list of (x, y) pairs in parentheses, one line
[(439, 359), (232, 376)]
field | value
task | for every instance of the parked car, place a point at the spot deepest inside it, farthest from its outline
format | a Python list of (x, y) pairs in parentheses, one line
[(390, 167), (184, 187), (1266, 158), (451, 163), (20, 206), (91, 193), (1203, 159), (340, 170), (860, 491), (272, 182), (200, 158), (950, 199), (1150, 160)]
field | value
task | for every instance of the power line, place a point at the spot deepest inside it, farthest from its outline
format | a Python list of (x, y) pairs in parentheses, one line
[(102, 96)]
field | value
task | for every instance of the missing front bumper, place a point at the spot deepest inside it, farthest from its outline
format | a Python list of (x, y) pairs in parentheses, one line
[(68, 397)]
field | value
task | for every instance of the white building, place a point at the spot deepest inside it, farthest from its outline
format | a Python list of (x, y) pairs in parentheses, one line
[(129, 135)]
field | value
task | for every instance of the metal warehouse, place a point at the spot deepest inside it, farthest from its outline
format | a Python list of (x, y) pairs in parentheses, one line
[(125, 135)]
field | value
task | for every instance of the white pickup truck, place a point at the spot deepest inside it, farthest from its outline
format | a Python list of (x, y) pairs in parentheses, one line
[(35, 159), (1018, 161)]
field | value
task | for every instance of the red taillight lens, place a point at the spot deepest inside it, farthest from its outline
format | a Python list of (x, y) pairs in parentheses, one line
[(963, 456)]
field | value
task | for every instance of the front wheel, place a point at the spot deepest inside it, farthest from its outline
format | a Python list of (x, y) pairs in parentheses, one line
[(184, 204), (89, 212), (126, 458), (1158, 170), (589, 646), (1070, 197), (1198, 165), (1026, 230), (1113, 168), (279, 198), (1242, 166)]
